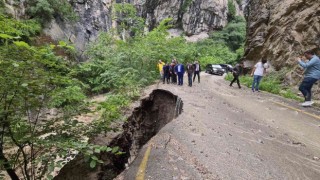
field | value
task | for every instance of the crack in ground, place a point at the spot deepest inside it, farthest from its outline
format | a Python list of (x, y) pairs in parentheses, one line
[(154, 112)]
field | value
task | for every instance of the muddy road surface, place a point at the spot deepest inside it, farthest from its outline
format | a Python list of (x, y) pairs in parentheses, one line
[(230, 133)]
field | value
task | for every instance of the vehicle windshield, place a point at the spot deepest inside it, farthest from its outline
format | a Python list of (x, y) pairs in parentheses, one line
[(216, 66)]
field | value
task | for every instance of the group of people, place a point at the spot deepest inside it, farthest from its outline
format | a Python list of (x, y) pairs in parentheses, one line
[(174, 72), (309, 61)]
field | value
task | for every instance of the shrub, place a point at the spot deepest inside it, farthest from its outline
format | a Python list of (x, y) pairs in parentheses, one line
[(232, 12), (45, 10), (233, 35), (271, 83)]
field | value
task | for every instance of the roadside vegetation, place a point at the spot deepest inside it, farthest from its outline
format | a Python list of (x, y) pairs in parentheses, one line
[(272, 83), (35, 79)]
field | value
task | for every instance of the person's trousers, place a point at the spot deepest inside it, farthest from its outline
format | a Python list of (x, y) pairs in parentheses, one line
[(306, 87), (190, 79), (180, 79), (196, 73), (174, 78), (161, 75), (256, 82), (236, 78), (166, 77)]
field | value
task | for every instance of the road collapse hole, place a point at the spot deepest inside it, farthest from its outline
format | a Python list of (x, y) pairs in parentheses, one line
[(154, 112)]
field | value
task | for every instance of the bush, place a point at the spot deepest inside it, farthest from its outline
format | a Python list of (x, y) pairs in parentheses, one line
[(271, 83), (2, 7), (233, 35), (45, 10), (186, 5), (216, 50), (33, 80), (17, 30), (232, 12)]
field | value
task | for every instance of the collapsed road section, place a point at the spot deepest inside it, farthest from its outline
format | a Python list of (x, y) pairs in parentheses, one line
[(154, 112)]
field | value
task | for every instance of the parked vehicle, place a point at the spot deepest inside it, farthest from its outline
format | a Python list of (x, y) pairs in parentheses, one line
[(226, 67), (215, 69)]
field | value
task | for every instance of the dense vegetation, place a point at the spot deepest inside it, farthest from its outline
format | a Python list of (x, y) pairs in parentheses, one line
[(271, 83), (45, 10), (231, 10), (120, 65), (35, 79)]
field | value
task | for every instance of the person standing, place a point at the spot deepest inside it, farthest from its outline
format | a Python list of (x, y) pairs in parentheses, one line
[(197, 71), (160, 67), (166, 73), (172, 73), (179, 69), (236, 72), (258, 71), (190, 71), (311, 75)]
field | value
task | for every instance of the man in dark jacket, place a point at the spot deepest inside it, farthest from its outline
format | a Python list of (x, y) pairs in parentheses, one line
[(179, 70), (166, 73), (197, 70), (237, 71), (190, 71), (172, 73)]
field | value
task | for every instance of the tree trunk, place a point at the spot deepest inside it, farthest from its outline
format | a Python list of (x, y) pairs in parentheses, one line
[(8, 167)]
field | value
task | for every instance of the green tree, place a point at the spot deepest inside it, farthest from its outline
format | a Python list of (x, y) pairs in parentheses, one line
[(232, 12), (128, 22), (2, 6), (45, 10), (33, 80), (233, 35)]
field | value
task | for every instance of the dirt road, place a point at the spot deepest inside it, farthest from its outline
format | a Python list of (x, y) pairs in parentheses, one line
[(227, 133)]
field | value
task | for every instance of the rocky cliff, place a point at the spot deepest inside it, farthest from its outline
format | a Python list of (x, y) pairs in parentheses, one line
[(281, 30), (192, 16), (94, 17)]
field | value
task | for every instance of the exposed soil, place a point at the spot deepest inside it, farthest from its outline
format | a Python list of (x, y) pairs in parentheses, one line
[(154, 112)]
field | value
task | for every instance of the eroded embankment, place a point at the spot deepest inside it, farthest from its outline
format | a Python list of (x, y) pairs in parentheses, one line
[(154, 113)]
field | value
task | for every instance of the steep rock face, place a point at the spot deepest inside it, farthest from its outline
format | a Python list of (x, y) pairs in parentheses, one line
[(193, 16), (94, 16), (204, 15), (281, 30)]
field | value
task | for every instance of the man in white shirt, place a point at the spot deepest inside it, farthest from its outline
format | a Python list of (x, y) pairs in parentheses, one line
[(258, 71)]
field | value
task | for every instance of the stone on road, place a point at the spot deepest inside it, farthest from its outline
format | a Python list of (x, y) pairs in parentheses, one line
[(227, 133)]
